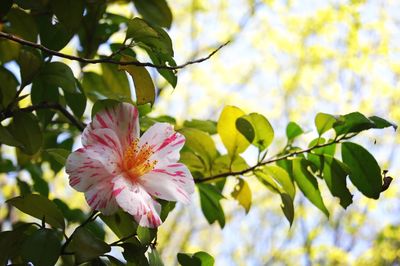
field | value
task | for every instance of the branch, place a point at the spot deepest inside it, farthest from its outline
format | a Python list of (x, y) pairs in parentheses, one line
[(46, 105), (272, 160), (108, 60)]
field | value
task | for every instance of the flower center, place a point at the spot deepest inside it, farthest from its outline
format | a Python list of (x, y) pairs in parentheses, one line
[(136, 160)]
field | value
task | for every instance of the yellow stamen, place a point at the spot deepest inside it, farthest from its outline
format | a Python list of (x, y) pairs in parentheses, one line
[(136, 160)]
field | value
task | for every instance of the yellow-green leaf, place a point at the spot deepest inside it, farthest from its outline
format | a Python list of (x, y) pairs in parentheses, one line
[(242, 194), (232, 139)]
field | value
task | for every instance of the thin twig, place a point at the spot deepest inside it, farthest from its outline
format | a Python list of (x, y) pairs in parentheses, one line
[(272, 160), (106, 59), (49, 105)]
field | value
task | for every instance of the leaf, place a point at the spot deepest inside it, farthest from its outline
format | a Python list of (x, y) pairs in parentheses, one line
[(382, 123), (156, 11), (210, 205), (10, 244), (41, 248), (39, 184), (43, 91), (86, 246), (287, 207), (225, 164), (200, 258), (164, 59), (60, 155), (121, 223), (76, 101), (7, 138), (29, 61), (324, 122), (308, 184), (335, 175), (116, 83), (242, 194), (232, 139), (39, 207), (5, 7), (68, 12), (278, 178), (146, 235), (60, 75), (207, 126), (8, 87), (9, 50), (155, 258), (293, 130), (144, 87), (264, 133), (26, 130), (365, 172), (134, 253), (22, 24), (245, 128)]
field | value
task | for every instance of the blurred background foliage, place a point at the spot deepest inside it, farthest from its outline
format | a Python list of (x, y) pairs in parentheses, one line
[(287, 60)]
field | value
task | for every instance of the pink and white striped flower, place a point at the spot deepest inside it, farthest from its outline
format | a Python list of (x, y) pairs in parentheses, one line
[(117, 168)]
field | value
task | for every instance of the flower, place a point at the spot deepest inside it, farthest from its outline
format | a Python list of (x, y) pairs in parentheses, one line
[(117, 168)]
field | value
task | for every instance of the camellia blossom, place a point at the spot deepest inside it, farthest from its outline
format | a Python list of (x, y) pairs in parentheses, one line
[(118, 168)]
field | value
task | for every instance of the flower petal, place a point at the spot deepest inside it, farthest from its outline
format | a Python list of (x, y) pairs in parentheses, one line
[(174, 182), (165, 143), (134, 199), (122, 119), (100, 197)]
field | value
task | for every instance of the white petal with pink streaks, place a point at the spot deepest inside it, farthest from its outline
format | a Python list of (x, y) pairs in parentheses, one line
[(165, 143), (122, 119), (173, 182), (100, 197), (135, 200)]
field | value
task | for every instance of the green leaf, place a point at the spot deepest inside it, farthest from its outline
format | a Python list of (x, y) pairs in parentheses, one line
[(36, 5), (41, 248), (242, 194), (144, 87), (60, 155), (163, 59), (308, 184), (356, 122), (200, 258), (10, 244), (166, 208), (210, 205), (264, 133), (382, 123), (278, 178), (207, 126), (26, 130), (39, 184), (85, 246), (22, 24), (121, 223), (232, 139), (42, 91), (134, 253), (5, 7), (59, 75), (39, 207), (7, 138), (146, 235), (293, 130), (155, 258), (116, 83), (225, 164), (68, 12), (324, 122), (76, 101), (9, 50), (287, 207), (8, 87), (365, 172), (155, 11), (245, 127), (29, 61), (335, 175)]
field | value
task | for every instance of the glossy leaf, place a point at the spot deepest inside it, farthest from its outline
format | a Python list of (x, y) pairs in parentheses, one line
[(85, 246), (365, 172), (210, 204), (156, 11), (242, 194), (232, 139), (29, 61), (335, 175), (39, 207), (41, 248), (200, 258), (144, 87), (57, 74), (26, 130), (308, 184), (324, 122)]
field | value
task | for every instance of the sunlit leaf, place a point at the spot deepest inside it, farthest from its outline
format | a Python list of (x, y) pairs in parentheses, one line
[(200, 258), (156, 11), (293, 130), (242, 194), (116, 83), (208, 126), (324, 122), (210, 204)]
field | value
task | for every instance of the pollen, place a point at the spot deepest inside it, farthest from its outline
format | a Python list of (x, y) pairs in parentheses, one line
[(137, 161)]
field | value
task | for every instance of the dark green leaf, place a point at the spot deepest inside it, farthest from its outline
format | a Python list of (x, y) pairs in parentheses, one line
[(68, 12), (146, 235), (43, 91), (166, 208), (39, 184), (324, 122), (293, 130), (9, 50), (26, 130), (8, 87), (207, 126), (382, 123), (58, 74), (365, 172), (335, 175), (41, 248), (200, 258), (245, 128), (134, 253), (86, 246), (53, 34), (356, 122), (24, 187), (155, 11), (39, 207), (210, 204), (155, 258), (10, 244), (5, 6), (29, 61), (76, 101), (121, 223), (22, 24), (7, 138), (308, 184), (287, 207), (163, 59), (60, 155)]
